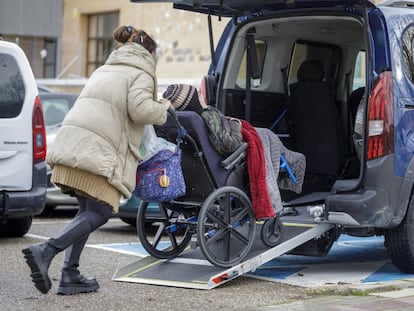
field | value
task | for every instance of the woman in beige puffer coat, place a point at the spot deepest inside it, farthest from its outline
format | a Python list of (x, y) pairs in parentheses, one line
[(96, 151)]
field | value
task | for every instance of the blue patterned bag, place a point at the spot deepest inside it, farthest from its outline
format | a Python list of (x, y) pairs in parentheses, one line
[(160, 179)]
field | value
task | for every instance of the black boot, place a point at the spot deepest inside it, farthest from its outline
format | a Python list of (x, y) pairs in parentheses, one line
[(39, 256), (72, 282)]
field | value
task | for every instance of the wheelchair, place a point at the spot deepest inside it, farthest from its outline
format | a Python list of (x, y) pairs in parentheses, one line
[(216, 212)]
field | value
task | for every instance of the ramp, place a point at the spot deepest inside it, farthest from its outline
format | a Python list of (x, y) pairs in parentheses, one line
[(192, 270)]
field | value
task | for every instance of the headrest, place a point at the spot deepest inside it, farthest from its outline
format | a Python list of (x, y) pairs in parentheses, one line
[(310, 70)]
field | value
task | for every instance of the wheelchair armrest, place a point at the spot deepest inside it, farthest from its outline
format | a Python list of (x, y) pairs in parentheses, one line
[(232, 159)]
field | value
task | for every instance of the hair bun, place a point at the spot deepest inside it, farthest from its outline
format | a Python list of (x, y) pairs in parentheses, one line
[(122, 33)]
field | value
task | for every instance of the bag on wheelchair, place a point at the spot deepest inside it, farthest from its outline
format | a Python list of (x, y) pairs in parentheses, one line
[(161, 179), (149, 144)]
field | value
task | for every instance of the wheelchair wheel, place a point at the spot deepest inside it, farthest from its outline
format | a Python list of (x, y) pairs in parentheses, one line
[(271, 232), (170, 237), (226, 226)]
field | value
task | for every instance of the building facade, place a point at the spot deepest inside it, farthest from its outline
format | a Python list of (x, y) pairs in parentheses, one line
[(69, 39), (36, 25)]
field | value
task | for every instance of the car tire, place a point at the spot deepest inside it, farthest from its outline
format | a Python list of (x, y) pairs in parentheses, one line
[(129, 221), (49, 208), (15, 228), (399, 241)]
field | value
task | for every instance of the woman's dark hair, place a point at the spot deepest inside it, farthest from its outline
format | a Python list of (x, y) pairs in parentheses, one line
[(123, 33), (141, 37)]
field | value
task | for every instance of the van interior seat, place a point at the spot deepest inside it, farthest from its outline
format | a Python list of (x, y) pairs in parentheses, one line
[(316, 120)]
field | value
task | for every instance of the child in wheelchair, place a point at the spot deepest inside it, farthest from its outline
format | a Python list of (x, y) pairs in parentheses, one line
[(270, 164)]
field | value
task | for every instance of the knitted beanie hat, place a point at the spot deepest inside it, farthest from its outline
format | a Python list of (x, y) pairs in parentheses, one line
[(183, 97)]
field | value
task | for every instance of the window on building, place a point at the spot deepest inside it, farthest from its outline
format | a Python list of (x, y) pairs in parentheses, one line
[(41, 53), (49, 58), (100, 40)]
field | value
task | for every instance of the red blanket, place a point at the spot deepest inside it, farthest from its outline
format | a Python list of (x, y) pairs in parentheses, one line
[(256, 167)]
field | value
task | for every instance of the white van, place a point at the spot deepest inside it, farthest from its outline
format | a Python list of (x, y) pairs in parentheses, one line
[(22, 144)]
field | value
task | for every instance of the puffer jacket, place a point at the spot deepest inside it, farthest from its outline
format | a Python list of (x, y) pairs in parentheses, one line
[(102, 133)]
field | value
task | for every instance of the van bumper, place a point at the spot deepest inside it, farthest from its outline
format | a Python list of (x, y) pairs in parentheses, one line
[(369, 208), (17, 204), (377, 203)]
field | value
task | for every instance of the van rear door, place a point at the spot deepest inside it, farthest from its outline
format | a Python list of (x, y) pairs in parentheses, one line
[(231, 8), (18, 91)]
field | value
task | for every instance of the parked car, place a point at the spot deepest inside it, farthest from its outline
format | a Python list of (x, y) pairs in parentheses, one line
[(335, 80), (43, 89), (55, 107), (22, 144)]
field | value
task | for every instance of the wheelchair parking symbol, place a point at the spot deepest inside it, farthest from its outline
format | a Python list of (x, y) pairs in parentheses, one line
[(351, 260)]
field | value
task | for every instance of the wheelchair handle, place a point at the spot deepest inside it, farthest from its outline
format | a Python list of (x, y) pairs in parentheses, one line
[(172, 113), (181, 130)]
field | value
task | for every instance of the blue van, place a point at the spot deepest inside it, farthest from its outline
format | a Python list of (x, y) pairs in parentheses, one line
[(334, 79)]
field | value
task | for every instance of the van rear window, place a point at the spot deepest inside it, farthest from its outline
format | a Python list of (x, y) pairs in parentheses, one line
[(12, 90)]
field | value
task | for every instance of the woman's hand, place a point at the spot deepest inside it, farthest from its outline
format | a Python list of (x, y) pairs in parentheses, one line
[(165, 102)]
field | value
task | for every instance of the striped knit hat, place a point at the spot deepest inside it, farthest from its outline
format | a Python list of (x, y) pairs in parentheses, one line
[(183, 97)]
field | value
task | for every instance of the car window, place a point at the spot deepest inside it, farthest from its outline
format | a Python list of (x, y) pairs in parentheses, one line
[(359, 71), (261, 52), (12, 88), (55, 110), (408, 52)]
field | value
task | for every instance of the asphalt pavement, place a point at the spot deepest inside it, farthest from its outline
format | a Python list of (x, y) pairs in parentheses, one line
[(244, 293)]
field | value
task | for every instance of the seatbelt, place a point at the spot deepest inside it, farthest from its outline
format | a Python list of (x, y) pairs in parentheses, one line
[(252, 71), (285, 80), (252, 58), (347, 117)]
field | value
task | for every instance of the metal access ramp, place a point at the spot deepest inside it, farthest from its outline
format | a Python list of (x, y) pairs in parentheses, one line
[(191, 270)]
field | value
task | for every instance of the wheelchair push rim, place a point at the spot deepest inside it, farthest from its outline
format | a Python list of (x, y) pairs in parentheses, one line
[(170, 238), (226, 226)]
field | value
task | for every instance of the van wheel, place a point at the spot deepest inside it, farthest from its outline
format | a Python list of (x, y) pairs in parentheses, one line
[(399, 241), (15, 228)]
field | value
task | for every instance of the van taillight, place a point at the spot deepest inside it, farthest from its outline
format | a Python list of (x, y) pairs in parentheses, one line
[(39, 132), (380, 118)]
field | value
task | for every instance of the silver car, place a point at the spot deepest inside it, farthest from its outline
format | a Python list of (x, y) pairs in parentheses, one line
[(55, 107)]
